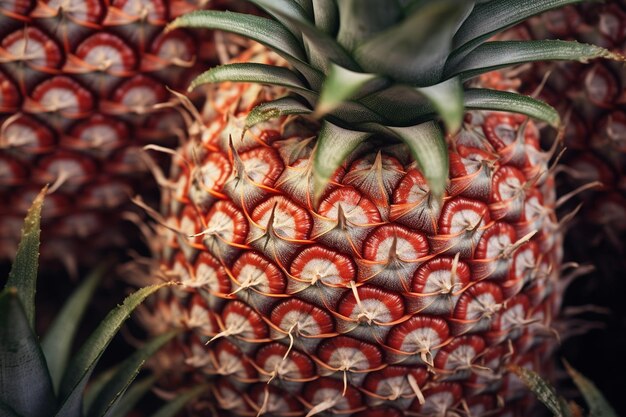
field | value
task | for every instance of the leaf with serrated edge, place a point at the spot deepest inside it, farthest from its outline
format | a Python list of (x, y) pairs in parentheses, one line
[(544, 391), (25, 384), (82, 365), (485, 99), (57, 342), (133, 395), (447, 98), (255, 73), (174, 406), (598, 405), (112, 392), (267, 32), (495, 55), (340, 85), (280, 107), (23, 275), (334, 144), (489, 18), (296, 14)]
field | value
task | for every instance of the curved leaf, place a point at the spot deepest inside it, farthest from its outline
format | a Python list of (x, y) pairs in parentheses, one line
[(544, 391), (428, 148), (597, 404), (296, 14), (415, 50), (334, 144), (267, 32), (57, 343), (272, 109), (84, 362), (23, 275), (25, 384), (340, 85), (491, 17), (485, 99), (255, 73), (112, 392), (326, 16), (493, 55), (361, 19), (447, 98), (174, 406)]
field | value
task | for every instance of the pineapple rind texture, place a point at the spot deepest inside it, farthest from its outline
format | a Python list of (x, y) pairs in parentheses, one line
[(379, 300), (78, 85)]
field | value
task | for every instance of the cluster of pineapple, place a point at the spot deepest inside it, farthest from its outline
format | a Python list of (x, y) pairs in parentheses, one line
[(355, 225)]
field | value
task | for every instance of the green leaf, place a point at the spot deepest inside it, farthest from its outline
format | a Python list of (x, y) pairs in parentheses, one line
[(415, 50), (334, 144), (272, 109), (361, 19), (296, 14), (174, 406), (428, 148), (447, 97), (489, 18), (23, 275), (485, 99), (321, 48), (494, 55), (25, 384), (112, 392), (340, 85), (267, 32), (84, 362), (326, 16), (95, 386), (598, 405), (255, 73), (543, 390), (132, 396), (57, 343)]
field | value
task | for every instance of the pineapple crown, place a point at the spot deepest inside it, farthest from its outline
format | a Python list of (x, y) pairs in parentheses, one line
[(395, 68), (42, 379)]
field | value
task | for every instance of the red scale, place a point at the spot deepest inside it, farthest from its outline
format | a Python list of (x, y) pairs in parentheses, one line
[(271, 400), (209, 275), (344, 219), (353, 357), (437, 285), (137, 95), (395, 385), (230, 361), (506, 133), (12, 172), (494, 253), (277, 360), (302, 322), (461, 224), (68, 170), (257, 281), (440, 399), (455, 361), (320, 275), (413, 204), (328, 394), (24, 136), (34, 48), (471, 172), (60, 94), (9, 95), (98, 135), (601, 86), (476, 308), (508, 194), (225, 230), (201, 317), (417, 340), (242, 322)]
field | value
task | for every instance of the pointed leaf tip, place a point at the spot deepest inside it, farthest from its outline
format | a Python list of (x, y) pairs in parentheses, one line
[(23, 275), (596, 402)]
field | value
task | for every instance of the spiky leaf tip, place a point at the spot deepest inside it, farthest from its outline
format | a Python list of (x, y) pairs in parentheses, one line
[(597, 403), (544, 391)]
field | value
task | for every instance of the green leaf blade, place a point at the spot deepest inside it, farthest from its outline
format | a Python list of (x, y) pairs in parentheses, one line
[(25, 384), (485, 99), (597, 403), (23, 275), (334, 144), (174, 406), (57, 342), (543, 390), (276, 108), (447, 98), (82, 365), (133, 395), (110, 395), (340, 85)]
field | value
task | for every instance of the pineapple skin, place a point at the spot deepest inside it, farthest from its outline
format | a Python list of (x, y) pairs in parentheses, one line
[(378, 301), (78, 82)]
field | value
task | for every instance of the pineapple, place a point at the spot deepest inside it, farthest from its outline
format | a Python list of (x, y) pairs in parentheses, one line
[(340, 255), (78, 83)]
